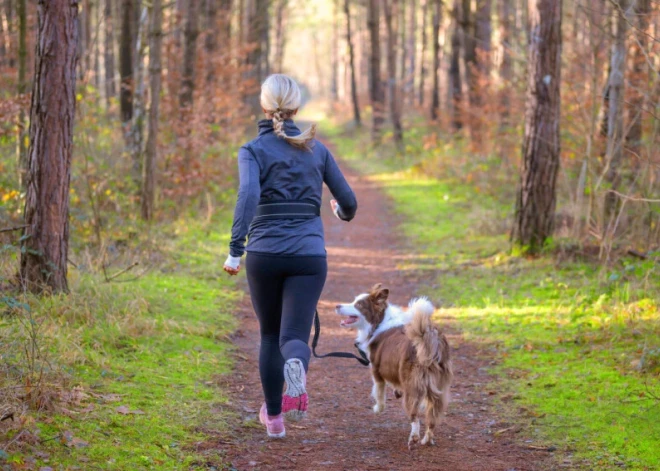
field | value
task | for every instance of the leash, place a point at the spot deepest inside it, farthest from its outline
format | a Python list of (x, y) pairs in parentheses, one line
[(317, 332)]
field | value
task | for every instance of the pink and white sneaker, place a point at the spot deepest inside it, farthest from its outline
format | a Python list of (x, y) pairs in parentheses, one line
[(295, 400), (274, 423)]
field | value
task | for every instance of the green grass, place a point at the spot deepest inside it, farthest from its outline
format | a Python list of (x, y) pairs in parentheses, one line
[(577, 343), (154, 348)]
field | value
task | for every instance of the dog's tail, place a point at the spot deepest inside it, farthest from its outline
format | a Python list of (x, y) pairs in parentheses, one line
[(432, 351), (422, 333)]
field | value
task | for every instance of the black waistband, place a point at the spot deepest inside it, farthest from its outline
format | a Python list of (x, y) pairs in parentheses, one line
[(287, 210)]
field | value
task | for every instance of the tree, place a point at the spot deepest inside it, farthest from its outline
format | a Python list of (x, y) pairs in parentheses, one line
[(376, 92), (422, 57), (615, 129), (126, 51), (21, 145), (351, 60), (435, 94), (391, 15), (412, 51), (506, 65), (151, 151), (638, 78), (455, 69), (46, 237), (109, 53), (256, 16), (280, 36), (189, 55), (535, 202)]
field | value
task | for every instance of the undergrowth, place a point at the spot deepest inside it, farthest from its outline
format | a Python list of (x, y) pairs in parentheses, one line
[(576, 341)]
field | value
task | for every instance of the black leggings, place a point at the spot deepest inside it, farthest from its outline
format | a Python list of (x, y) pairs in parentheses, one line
[(285, 291)]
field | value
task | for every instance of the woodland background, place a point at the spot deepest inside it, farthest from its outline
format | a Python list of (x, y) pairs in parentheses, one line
[(546, 109)]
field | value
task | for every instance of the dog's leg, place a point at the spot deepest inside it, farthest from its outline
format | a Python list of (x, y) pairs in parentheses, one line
[(378, 393), (411, 405), (431, 419)]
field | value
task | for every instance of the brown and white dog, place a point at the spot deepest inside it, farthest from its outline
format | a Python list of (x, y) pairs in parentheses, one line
[(407, 352)]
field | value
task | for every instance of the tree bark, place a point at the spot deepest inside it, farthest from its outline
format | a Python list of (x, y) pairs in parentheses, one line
[(422, 58), (455, 70), (391, 18), (136, 131), (615, 128), (412, 52), (506, 66), (334, 54), (109, 54), (257, 61), (211, 38), (21, 144), (280, 13), (469, 50), (435, 96), (151, 151), (638, 79), (376, 91), (535, 202), (189, 55), (126, 52), (351, 59), (46, 237)]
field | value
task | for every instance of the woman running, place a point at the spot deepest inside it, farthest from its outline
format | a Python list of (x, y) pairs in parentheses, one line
[(282, 172)]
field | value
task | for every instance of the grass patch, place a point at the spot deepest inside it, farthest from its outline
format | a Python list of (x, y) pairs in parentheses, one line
[(577, 342), (128, 371)]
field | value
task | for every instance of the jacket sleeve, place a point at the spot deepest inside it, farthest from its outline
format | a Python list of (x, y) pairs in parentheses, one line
[(339, 188), (249, 192)]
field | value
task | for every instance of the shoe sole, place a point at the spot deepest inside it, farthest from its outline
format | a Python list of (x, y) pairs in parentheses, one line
[(294, 372)]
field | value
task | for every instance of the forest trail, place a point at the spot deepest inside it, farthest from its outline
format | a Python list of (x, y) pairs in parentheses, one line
[(341, 432)]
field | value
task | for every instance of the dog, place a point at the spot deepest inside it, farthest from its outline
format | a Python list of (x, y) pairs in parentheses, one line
[(407, 352)]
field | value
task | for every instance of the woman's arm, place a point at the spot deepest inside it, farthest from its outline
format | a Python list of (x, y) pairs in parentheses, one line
[(249, 192), (346, 202)]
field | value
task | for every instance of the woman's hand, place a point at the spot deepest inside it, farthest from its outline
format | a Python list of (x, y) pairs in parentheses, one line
[(232, 265), (335, 207), (232, 271)]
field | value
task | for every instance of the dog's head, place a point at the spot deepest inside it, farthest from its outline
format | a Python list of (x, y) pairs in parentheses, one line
[(367, 310)]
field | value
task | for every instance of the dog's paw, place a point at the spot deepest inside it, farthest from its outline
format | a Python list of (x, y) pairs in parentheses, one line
[(427, 440), (378, 408)]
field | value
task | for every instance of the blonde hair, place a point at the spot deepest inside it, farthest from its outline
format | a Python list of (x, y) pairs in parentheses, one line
[(280, 98)]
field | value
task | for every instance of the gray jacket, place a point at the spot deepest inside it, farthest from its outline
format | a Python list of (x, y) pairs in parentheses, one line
[(270, 169)]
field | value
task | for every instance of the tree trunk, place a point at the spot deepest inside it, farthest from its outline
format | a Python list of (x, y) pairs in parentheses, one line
[(151, 151), (136, 131), (280, 37), (109, 54), (391, 12), (422, 58), (126, 61), (189, 55), (435, 96), (46, 239), (506, 66), (257, 62), (455, 70), (469, 51), (21, 144), (351, 59), (376, 91), (412, 52), (615, 129), (211, 39), (334, 54), (638, 79), (535, 202)]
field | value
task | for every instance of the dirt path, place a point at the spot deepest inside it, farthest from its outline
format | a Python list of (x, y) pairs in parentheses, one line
[(342, 432)]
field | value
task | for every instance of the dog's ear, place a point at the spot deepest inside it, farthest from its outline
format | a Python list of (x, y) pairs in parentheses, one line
[(379, 294)]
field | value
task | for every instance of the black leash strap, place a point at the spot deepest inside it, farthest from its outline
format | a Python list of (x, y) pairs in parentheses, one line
[(317, 332)]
